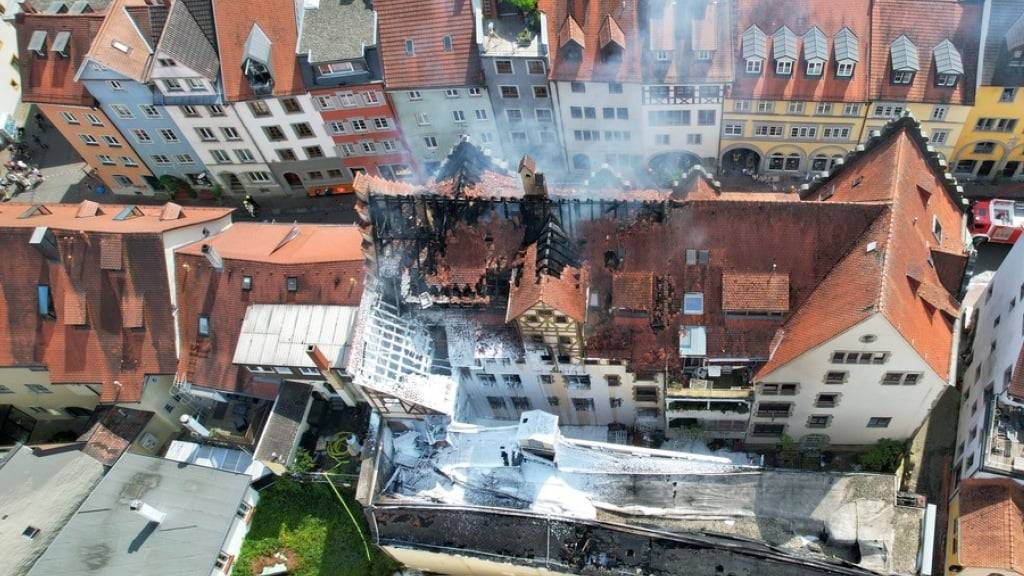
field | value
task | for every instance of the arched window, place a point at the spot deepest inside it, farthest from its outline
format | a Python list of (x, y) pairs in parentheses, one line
[(819, 163), (581, 162), (776, 161), (793, 162)]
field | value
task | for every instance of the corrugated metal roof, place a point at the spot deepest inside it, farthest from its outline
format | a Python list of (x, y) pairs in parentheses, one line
[(755, 44), (904, 55), (784, 44), (215, 457), (947, 59), (277, 334), (847, 46), (815, 45)]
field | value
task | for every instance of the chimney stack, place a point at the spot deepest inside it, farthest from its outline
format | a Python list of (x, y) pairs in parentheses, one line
[(211, 254), (147, 511), (318, 358), (533, 181)]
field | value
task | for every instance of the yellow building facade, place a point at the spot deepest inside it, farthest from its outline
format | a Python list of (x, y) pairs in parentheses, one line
[(991, 144), (942, 123), (795, 137)]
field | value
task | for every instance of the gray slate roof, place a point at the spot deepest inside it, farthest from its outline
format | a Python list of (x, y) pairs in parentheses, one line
[(847, 46), (904, 54), (202, 12), (784, 44), (755, 43), (335, 30), (281, 433), (41, 490), (184, 40), (1005, 32), (105, 538), (947, 59), (815, 45)]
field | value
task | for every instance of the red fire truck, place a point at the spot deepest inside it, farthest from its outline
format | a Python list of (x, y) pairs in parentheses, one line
[(997, 220)]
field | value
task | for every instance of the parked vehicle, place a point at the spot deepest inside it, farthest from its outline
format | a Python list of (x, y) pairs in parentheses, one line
[(997, 220)]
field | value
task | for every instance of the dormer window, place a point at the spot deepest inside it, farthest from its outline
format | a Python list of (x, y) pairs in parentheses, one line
[(815, 51), (905, 64), (815, 68), (847, 52), (949, 65), (571, 40), (784, 50), (37, 44), (613, 40), (256, 62), (120, 47), (60, 44), (755, 49), (703, 55)]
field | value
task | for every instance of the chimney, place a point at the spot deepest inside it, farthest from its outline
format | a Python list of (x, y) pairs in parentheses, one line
[(147, 511), (533, 181), (194, 426), (318, 358), (45, 242), (211, 254)]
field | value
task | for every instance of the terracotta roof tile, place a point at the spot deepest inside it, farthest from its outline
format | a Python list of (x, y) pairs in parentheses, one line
[(329, 268), (800, 16), (571, 32), (64, 216), (276, 18), (566, 293), (111, 249), (593, 18), (74, 309), (112, 431), (633, 291), (926, 23), (746, 292), (991, 524), (121, 43), (426, 23), (52, 79)]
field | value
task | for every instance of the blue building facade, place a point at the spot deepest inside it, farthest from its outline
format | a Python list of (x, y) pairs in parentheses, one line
[(151, 131)]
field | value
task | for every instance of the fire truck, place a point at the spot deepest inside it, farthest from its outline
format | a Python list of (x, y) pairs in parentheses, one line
[(997, 220)]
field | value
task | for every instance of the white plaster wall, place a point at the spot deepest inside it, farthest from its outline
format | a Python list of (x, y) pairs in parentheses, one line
[(239, 528), (10, 94), (988, 366), (230, 119), (278, 117), (863, 395), (597, 96), (708, 148), (60, 396), (454, 563), (439, 108)]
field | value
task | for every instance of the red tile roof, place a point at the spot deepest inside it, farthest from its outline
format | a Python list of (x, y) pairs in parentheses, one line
[(426, 23), (330, 273), (90, 341), (126, 24), (143, 219), (277, 20), (592, 17), (800, 16), (566, 292), (746, 292), (633, 291), (926, 23), (1016, 386), (991, 524), (675, 27), (51, 80)]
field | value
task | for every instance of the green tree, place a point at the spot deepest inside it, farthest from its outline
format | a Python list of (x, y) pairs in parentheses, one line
[(884, 456), (527, 6)]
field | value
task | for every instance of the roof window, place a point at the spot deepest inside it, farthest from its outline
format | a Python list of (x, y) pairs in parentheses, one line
[(292, 284), (120, 46)]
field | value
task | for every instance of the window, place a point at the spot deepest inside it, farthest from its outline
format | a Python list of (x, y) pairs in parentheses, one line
[(129, 162), (304, 130), (784, 67), (583, 404), (614, 88), (939, 136), (514, 115), (741, 106), (902, 77), (204, 325), (768, 430), (369, 147), (823, 108), (244, 155), (613, 380), (430, 142), (662, 139), (246, 283), (185, 159), (668, 118), (836, 377), (939, 112), (815, 68), (446, 43), (578, 87), (645, 393), (120, 111), (189, 112), (827, 400), (458, 116), (705, 117), (796, 107), (773, 409), (123, 180), (693, 303), (503, 67), (879, 422), (844, 69), (216, 110), (259, 108), (206, 134), (115, 143), (888, 111), (313, 152), (149, 111), (936, 228), (451, 93), (335, 68), (315, 175), (259, 177), (1008, 95), (818, 421), (486, 379), (754, 65), (230, 134), (544, 115), (38, 389), (859, 357), (412, 94), (168, 135), (69, 117), (291, 105), (115, 85), (946, 80), (851, 109), (474, 92), (160, 159), (336, 127), (766, 106), (509, 91), (804, 132), (359, 125), (105, 160), (274, 133), (984, 147), (422, 119), (410, 47), (292, 284), (901, 378), (287, 155)]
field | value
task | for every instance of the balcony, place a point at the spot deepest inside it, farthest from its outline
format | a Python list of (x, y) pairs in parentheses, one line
[(678, 390), (1004, 444)]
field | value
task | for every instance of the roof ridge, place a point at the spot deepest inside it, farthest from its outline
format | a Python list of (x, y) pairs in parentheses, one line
[(886, 261)]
